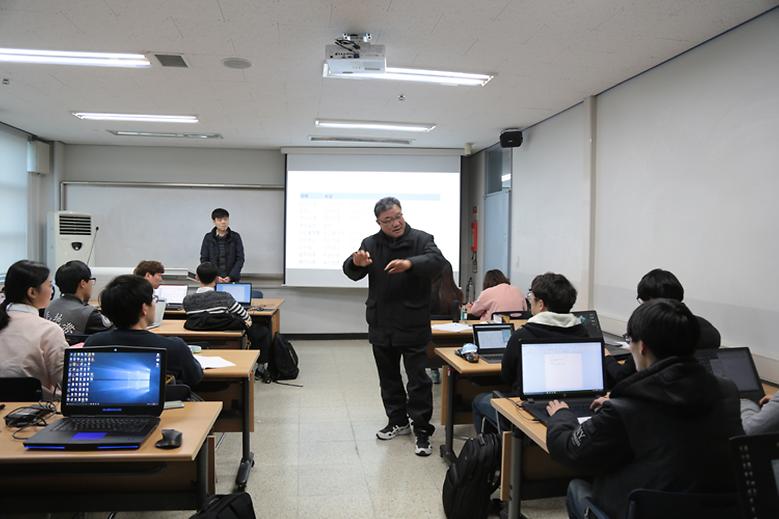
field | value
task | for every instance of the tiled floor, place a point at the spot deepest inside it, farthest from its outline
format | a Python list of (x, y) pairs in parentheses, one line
[(316, 451)]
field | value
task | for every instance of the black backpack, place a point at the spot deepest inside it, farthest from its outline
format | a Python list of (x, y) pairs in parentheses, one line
[(230, 506), (471, 480), (283, 363)]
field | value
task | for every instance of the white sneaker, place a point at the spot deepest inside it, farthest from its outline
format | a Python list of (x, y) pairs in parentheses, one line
[(391, 431)]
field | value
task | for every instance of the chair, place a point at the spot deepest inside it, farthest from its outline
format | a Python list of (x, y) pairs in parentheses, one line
[(256, 293), (756, 461), (20, 389), (508, 315), (75, 338), (651, 504)]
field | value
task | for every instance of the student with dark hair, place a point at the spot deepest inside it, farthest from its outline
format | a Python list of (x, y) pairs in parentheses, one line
[(551, 298), (224, 248), (446, 296), (664, 428), (497, 296), (129, 302), (30, 346), (72, 311), (659, 283), (152, 271)]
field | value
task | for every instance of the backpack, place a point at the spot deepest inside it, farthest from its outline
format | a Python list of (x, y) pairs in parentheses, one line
[(213, 322), (283, 363), (230, 506), (471, 480)]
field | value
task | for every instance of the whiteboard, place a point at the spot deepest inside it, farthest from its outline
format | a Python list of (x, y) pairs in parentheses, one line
[(167, 223)]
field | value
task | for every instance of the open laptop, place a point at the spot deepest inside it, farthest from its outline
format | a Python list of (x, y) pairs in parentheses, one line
[(734, 364), (173, 295), (159, 314), (112, 397), (241, 292), (491, 340), (561, 369)]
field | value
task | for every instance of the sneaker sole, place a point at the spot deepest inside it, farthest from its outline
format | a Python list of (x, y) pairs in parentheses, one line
[(424, 452), (401, 432)]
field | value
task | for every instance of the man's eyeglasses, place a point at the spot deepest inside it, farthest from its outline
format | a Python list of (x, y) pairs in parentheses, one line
[(390, 219), (627, 338)]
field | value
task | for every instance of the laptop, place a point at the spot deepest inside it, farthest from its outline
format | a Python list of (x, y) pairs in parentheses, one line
[(241, 292), (734, 364), (173, 295), (112, 397), (561, 369), (491, 340), (159, 314)]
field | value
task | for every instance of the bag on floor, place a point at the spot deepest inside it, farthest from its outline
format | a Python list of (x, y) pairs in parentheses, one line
[(230, 506), (471, 480), (283, 363)]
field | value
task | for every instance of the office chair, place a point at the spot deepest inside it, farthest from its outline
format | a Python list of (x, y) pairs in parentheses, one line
[(256, 293), (756, 461), (20, 389), (651, 504)]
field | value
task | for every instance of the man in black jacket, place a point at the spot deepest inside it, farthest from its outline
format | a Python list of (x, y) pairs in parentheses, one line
[(223, 247), (660, 283), (551, 298), (664, 428), (399, 262)]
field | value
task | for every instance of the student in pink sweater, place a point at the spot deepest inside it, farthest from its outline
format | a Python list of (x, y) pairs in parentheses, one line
[(497, 296)]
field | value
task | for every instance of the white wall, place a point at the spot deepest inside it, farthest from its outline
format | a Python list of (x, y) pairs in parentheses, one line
[(13, 196)]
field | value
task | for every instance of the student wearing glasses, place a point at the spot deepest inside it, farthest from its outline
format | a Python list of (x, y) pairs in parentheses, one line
[(72, 311)]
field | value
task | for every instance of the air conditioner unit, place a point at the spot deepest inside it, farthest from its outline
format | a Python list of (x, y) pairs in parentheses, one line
[(70, 236)]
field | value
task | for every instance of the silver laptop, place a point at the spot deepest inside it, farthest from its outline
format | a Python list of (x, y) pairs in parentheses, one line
[(491, 340), (159, 314), (173, 295)]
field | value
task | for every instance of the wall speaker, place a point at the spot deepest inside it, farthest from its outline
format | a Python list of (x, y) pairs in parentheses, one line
[(511, 138)]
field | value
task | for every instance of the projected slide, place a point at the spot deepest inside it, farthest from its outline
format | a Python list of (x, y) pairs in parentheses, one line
[(330, 212)]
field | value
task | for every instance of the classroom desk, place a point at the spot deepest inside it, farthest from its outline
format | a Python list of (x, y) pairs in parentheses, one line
[(229, 339), (270, 313), (143, 479), (447, 339), (234, 387)]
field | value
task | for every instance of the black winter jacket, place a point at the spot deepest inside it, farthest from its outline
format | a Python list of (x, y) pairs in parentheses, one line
[(398, 305), (664, 428), (209, 251)]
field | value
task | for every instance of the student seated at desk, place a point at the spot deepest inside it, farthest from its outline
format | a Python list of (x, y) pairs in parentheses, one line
[(129, 302), (445, 296), (660, 283), (152, 271), (551, 298), (497, 296), (762, 418), (72, 311), (664, 428), (30, 346)]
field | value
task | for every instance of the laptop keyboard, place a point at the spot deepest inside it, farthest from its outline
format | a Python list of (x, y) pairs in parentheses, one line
[(579, 408), (129, 425)]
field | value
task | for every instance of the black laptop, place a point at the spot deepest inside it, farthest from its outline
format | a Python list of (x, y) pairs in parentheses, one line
[(734, 364), (241, 292), (561, 369), (112, 398), (491, 340)]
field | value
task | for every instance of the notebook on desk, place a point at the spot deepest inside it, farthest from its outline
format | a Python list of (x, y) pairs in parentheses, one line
[(734, 364), (561, 369), (112, 398), (491, 340), (241, 292), (173, 295)]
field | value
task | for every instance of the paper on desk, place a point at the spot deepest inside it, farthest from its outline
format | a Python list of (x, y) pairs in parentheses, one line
[(451, 327), (213, 362)]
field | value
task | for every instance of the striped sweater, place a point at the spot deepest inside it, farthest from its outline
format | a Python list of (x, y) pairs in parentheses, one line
[(207, 300)]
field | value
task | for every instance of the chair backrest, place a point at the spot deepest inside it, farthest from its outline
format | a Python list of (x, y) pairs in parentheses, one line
[(75, 338), (256, 293), (652, 504), (509, 315), (20, 389), (756, 461)]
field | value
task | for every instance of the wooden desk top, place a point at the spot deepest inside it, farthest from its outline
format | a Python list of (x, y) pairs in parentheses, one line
[(269, 307), (518, 323), (464, 367), (175, 327), (529, 426), (194, 420), (244, 361)]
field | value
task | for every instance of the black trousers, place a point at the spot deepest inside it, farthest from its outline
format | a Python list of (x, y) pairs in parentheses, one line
[(418, 404), (260, 339)]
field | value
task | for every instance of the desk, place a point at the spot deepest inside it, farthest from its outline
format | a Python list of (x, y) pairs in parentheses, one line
[(143, 479), (234, 388), (270, 313), (229, 339)]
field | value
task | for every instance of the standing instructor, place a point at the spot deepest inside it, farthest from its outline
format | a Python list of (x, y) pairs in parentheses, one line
[(223, 247), (399, 262)]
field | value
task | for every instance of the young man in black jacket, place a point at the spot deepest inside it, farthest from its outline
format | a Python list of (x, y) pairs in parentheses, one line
[(223, 247), (660, 283), (551, 298), (664, 428), (400, 263)]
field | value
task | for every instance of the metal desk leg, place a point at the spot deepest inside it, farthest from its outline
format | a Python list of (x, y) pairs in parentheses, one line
[(447, 450), (515, 499), (202, 476), (247, 458)]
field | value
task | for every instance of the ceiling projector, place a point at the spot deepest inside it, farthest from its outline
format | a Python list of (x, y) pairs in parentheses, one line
[(354, 54)]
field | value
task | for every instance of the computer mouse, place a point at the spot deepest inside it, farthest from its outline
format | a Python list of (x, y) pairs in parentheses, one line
[(171, 439), (471, 357)]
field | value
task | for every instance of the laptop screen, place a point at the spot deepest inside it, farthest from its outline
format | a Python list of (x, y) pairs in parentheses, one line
[(591, 323), (241, 292), (113, 380), (492, 338), (734, 364), (173, 294), (561, 367)]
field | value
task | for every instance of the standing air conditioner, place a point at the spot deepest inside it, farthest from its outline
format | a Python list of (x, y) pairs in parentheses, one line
[(70, 236)]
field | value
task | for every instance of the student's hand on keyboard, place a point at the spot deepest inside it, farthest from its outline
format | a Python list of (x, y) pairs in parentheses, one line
[(598, 402), (554, 406)]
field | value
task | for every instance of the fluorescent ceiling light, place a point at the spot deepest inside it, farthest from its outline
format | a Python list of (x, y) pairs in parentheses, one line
[(146, 118), (374, 125), (127, 133), (358, 140), (59, 57), (413, 74)]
